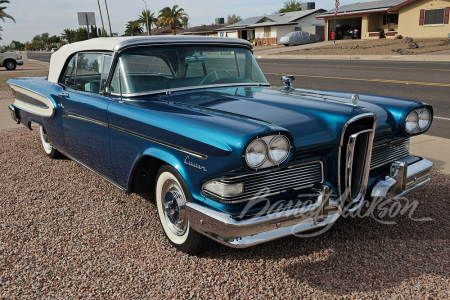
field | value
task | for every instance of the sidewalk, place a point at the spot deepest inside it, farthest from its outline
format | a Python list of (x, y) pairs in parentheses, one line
[(429, 57), (433, 148)]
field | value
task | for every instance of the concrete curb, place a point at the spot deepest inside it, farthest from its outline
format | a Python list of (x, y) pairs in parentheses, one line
[(438, 58)]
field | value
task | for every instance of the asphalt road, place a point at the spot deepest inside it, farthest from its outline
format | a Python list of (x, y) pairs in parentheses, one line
[(423, 81), (42, 56)]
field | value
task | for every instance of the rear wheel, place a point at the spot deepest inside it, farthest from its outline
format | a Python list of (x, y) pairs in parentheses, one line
[(48, 148), (10, 65), (172, 195)]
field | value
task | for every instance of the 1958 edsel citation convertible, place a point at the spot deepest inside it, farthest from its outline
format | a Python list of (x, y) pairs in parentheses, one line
[(193, 121)]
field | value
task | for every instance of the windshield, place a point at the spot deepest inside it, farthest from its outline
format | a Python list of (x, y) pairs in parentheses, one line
[(144, 70)]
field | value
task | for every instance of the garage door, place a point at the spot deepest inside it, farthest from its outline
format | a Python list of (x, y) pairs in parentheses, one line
[(345, 28)]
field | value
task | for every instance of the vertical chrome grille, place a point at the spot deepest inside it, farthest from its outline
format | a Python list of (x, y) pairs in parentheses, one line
[(356, 154)]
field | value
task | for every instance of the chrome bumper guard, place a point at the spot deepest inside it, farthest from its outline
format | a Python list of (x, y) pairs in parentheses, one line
[(245, 233), (19, 62), (403, 178), (12, 112)]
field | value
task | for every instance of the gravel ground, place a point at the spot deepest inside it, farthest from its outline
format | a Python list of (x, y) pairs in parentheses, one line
[(376, 47), (68, 234)]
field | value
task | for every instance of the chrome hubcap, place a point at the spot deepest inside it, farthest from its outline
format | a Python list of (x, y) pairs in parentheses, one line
[(10, 65), (174, 207)]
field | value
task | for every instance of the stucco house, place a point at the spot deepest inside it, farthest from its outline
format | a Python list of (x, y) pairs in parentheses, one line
[(270, 28), (414, 18)]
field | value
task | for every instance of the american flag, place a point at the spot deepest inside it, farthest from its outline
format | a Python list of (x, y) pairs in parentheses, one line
[(336, 7)]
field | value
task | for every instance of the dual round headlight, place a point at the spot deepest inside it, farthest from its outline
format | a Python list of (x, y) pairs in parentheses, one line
[(267, 151), (418, 121)]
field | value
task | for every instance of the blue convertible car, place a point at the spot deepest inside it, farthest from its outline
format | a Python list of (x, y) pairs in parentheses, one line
[(193, 121)]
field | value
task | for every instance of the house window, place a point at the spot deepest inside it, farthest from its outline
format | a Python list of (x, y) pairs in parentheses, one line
[(390, 19), (266, 32), (434, 16)]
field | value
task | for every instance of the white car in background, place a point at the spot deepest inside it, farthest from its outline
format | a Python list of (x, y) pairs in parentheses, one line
[(10, 60), (299, 38)]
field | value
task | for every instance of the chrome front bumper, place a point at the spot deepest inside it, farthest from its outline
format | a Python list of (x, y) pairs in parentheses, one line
[(403, 178), (19, 62), (245, 233), (13, 114)]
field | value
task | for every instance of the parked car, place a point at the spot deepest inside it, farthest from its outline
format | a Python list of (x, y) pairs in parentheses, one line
[(10, 60), (193, 121), (299, 38)]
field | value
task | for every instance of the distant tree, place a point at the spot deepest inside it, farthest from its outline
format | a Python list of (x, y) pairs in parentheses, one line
[(54, 39), (18, 45), (184, 22), (3, 14), (290, 5), (152, 20), (172, 17), (37, 38), (232, 19), (44, 38), (81, 34), (133, 28), (68, 35)]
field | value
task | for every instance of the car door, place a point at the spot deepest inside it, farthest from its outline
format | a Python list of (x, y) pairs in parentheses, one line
[(84, 110)]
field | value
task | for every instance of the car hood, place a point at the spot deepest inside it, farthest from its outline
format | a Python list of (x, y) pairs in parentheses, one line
[(313, 118)]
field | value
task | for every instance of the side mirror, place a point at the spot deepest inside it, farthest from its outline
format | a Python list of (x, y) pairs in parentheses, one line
[(287, 80)]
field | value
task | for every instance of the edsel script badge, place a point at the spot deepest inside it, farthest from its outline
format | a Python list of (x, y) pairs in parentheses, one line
[(197, 166)]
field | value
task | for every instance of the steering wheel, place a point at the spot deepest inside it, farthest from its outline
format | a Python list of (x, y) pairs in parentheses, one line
[(215, 74)]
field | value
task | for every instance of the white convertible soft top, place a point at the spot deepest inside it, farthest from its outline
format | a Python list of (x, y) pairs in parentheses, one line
[(59, 58)]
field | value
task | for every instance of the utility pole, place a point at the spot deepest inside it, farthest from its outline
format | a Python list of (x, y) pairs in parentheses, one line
[(101, 17), (109, 21), (146, 14)]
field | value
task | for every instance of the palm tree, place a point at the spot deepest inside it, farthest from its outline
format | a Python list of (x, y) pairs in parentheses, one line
[(1, 29), (171, 17), (152, 20), (4, 15), (133, 28), (184, 22)]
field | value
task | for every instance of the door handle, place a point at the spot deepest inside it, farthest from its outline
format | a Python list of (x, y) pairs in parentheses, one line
[(63, 95)]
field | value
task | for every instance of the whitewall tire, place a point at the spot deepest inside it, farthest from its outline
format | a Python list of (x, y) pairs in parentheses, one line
[(172, 194), (47, 146)]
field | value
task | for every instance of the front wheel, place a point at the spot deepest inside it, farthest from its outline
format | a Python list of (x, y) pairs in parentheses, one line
[(10, 65), (172, 195), (48, 148)]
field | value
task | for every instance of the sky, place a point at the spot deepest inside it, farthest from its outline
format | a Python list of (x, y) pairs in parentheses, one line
[(53, 16)]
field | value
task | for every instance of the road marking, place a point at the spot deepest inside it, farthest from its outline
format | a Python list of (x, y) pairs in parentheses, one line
[(365, 67), (370, 80), (440, 118)]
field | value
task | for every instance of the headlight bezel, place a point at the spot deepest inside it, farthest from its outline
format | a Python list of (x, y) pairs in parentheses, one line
[(269, 161), (418, 112)]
